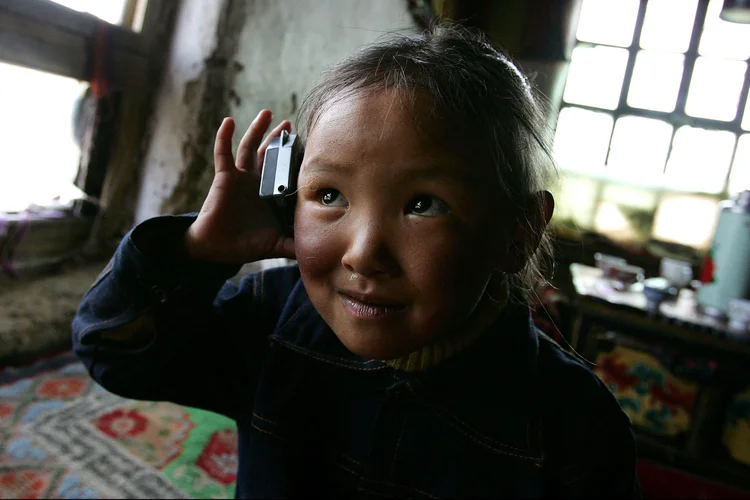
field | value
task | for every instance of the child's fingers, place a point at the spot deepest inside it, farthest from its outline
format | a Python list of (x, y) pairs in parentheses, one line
[(285, 125), (252, 139), (223, 159)]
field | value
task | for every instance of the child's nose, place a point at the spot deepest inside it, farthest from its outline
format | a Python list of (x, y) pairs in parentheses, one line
[(367, 252)]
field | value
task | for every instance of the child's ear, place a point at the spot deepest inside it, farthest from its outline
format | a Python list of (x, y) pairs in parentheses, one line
[(527, 233), (548, 209)]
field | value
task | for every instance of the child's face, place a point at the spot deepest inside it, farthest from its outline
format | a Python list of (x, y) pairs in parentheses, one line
[(394, 239)]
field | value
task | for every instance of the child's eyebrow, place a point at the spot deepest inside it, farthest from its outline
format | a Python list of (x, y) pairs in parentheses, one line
[(323, 166)]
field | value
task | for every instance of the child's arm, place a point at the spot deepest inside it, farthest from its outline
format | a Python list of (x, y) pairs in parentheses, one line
[(167, 328), (615, 474), (591, 454), (162, 323), (590, 448)]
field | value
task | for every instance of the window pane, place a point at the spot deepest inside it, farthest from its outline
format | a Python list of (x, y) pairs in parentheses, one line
[(107, 10), (688, 220), (639, 148), (715, 88), (668, 25), (612, 221), (739, 178), (575, 197), (656, 80), (582, 139), (607, 21), (700, 159), (635, 198), (39, 156), (595, 76), (722, 38), (746, 114), (625, 213)]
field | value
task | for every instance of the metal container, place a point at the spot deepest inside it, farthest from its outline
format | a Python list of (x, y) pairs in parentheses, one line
[(726, 269)]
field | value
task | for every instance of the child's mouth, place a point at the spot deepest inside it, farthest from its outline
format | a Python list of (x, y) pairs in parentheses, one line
[(367, 310)]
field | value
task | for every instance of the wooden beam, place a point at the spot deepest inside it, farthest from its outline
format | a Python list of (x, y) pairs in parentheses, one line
[(45, 36), (158, 15), (83, 24), (120, 189), (129, 12), (52, 50)]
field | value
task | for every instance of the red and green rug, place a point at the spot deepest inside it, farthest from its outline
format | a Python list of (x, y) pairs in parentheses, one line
[(63, 436)]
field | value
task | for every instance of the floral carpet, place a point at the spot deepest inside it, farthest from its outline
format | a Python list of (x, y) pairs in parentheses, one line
[(63, 436)]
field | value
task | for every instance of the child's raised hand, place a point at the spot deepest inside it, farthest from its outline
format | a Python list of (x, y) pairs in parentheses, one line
[(234, 226)]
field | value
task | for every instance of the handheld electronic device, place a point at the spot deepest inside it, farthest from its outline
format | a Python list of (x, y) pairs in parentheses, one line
[(278, 181)]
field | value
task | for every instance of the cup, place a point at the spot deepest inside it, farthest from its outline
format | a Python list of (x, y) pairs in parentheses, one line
[(678, 272), (738, 313)]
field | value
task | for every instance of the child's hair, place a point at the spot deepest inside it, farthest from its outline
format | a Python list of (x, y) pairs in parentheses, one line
[(488, 103)]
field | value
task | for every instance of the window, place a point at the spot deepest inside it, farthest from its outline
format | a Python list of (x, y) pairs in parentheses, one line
[(49, 52), (40, 153), (654, 127), (37, 109)]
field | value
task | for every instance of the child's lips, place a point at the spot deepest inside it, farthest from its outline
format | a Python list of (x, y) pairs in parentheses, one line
[(364, 306), (374, 299)]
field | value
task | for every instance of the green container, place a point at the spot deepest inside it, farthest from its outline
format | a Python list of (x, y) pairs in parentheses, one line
[(726, 272)]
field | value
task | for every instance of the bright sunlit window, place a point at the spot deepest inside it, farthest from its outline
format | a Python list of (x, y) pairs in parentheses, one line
[(656, 102), (106, 10), (39, 154)]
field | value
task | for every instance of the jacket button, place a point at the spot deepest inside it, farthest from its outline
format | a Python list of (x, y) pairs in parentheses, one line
[(401, 390), (158, 295)]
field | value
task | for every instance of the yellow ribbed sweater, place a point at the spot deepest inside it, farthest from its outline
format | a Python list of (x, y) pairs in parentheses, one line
[(487, 312)]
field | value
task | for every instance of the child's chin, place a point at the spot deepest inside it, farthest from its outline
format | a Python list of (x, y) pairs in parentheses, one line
[(374, 349)]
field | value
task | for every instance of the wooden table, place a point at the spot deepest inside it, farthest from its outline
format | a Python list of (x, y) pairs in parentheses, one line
[(679, 322), (600, 307)]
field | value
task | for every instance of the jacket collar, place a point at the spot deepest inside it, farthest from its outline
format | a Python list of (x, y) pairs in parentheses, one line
[(462, 390), (302, 329), (511, 344)]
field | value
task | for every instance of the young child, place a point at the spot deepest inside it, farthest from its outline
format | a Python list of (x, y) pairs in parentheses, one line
[(397, 358)]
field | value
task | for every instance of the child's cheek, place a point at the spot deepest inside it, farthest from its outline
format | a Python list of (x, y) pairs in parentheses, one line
[(456, 267), (314, 243)]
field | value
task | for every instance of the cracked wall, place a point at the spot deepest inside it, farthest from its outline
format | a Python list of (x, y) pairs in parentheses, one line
[(233, 58)]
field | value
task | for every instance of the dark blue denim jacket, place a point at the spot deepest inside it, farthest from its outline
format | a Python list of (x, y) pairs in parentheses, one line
[(511, 416)]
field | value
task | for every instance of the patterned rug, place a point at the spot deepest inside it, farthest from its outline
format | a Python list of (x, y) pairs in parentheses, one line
[(63, 436)]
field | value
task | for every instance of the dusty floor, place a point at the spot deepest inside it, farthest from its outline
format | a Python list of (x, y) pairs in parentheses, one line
[(35, 313)]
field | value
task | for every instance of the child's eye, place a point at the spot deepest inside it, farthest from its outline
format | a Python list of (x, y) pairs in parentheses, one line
[(331, 198), (427, 206)]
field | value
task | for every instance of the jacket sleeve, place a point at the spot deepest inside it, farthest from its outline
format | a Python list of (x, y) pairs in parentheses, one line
[(613, 471), (159, 327), (590, 448), (599, 462)]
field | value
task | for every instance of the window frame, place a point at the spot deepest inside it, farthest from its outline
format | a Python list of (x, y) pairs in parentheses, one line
[(46, 36), (49, 37), (676, 118)]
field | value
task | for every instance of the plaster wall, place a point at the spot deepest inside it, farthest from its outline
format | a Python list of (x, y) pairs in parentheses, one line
[(233, 58), (174, 121), (285, 46)]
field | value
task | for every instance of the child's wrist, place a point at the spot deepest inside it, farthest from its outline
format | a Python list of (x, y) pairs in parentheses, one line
[(190, 248)]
